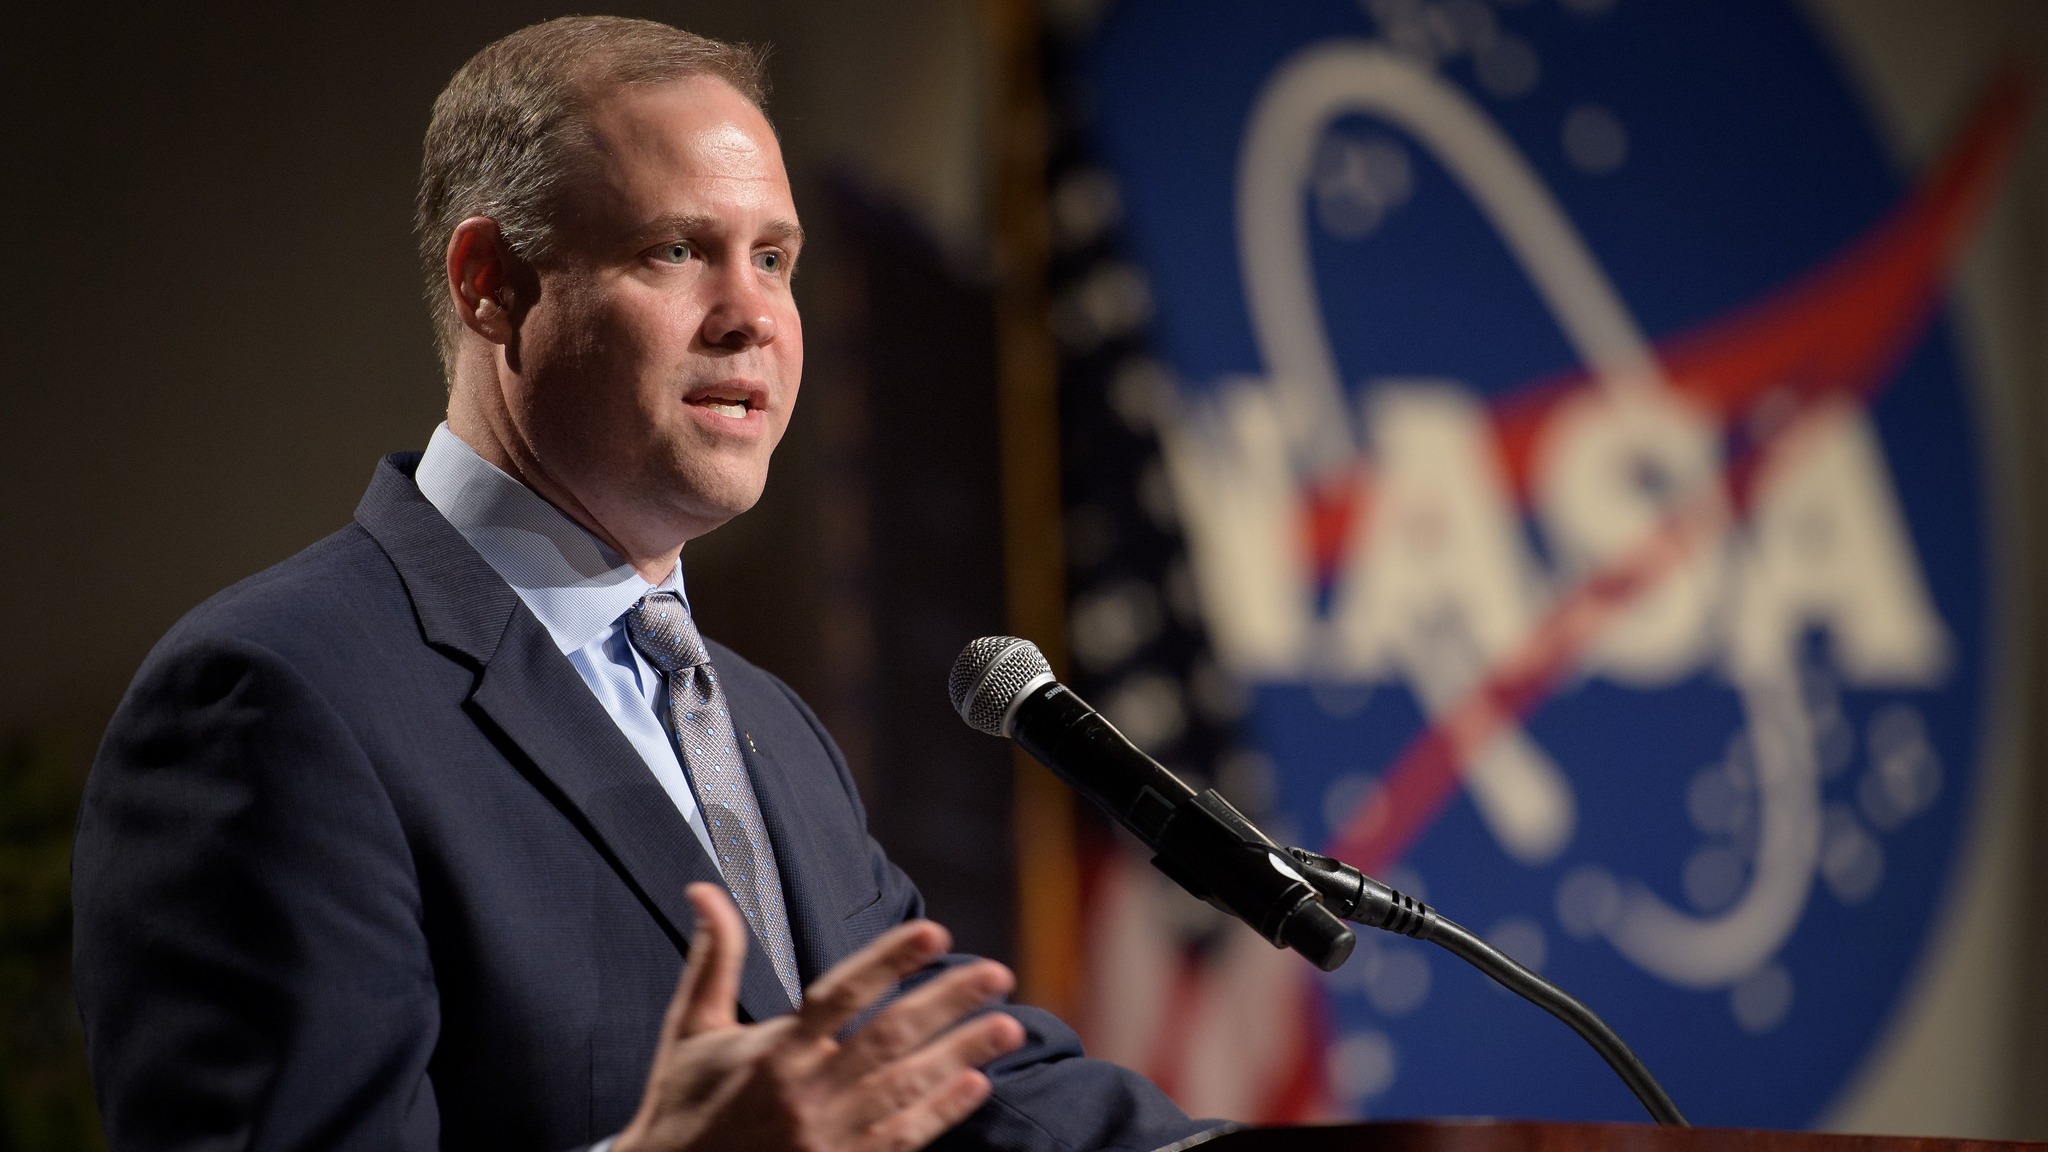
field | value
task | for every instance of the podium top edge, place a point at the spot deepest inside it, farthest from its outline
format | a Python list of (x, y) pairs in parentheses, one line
[(1480, 1134)]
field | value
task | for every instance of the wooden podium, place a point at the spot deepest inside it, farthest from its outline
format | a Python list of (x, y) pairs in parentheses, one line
[(1543, 1136)]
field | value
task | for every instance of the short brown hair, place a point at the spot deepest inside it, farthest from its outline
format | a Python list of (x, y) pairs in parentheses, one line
[(505, 129)]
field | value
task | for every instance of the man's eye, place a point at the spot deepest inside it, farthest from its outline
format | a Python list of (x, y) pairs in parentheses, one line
[(769, 261), (677, 253)]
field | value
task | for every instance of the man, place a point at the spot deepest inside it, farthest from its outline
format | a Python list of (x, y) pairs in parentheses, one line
[(399, 845)]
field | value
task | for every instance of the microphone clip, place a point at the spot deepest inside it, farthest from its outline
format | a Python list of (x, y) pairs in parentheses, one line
[(1207, 847)]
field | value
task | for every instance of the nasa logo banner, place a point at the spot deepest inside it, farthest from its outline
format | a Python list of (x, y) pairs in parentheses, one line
[(1578, 476)]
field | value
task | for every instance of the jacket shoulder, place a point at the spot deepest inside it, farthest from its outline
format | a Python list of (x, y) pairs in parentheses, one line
[(310, 609)]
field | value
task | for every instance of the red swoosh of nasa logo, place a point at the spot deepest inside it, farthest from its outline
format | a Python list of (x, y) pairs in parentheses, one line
[(1773, 372)]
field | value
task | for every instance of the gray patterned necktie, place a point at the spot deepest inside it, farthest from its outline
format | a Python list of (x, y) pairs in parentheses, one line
[(660, 627)]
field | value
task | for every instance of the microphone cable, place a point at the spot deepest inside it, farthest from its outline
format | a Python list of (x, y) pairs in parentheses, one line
[(1354, 896)]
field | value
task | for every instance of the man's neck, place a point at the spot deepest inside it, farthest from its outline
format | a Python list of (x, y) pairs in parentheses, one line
[(653, 564)]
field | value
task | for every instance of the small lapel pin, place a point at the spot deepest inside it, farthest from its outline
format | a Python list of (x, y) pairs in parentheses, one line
[(750, 743)]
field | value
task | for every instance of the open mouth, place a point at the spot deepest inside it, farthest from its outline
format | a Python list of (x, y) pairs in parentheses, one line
[(731, 403)]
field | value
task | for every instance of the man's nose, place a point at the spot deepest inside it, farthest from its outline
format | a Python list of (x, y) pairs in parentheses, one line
[(742, 312)]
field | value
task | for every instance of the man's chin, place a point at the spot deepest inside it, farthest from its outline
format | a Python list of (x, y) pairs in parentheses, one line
[(709, 507)]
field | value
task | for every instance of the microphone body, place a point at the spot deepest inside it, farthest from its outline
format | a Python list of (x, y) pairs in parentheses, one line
[(1200, 841), (1063, 733)]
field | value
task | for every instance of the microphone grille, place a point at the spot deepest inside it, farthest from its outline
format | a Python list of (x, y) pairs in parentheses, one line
[(989, 677)]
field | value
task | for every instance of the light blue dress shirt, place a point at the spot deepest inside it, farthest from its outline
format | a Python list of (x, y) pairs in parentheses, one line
[(577, 587)]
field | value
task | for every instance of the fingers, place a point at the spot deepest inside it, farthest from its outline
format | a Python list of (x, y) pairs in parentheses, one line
[(924, 1013), (919, 1125), (862, 978), (901, 1081), (915, 1063), (921, 1081), (910, 1081), (707, 995)]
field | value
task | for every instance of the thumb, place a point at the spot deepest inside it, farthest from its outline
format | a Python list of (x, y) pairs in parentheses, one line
[(707, 995)]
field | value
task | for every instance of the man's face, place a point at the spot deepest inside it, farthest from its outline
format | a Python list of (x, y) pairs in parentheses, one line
[(658, 367)]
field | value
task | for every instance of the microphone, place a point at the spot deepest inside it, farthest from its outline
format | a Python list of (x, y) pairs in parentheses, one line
[(1003, 686)]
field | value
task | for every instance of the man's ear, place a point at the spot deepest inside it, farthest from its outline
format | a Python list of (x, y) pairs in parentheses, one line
[(484, 276)]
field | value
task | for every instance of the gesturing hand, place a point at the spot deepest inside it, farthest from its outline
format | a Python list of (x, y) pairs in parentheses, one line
[(788, 1085)]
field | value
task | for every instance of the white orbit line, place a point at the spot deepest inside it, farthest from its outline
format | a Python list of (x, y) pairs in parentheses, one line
[(1335, 77), (1696, 952), (1524, 798), (1288, 119)]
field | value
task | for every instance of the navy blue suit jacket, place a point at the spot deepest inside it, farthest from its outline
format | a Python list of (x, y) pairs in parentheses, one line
[(363, 864)]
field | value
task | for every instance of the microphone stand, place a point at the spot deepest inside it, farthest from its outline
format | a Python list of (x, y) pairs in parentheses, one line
[(1359, 898)]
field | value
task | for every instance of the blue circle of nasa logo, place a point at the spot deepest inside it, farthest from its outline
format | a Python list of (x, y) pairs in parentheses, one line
[(1575, 462)]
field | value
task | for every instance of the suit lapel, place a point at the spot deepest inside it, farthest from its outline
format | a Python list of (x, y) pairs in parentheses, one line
[(528, 690), (815, 918)]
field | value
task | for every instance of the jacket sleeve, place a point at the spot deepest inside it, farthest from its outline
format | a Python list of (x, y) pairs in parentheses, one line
[(1049, 1096), (250, 965)]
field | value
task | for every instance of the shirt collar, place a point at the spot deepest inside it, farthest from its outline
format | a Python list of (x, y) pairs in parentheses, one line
[(569, 579)]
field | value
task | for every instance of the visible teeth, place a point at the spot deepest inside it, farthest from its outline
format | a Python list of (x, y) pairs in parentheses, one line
[(727, 408)]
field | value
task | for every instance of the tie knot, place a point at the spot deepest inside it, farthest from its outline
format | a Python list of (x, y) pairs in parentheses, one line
[(660, 627)]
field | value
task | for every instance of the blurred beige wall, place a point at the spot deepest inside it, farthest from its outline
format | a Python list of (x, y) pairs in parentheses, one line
[(211, 320)]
